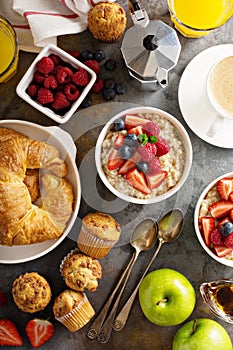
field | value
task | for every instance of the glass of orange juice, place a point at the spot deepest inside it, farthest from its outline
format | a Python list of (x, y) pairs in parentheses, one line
[(9, 50), (196, 18)]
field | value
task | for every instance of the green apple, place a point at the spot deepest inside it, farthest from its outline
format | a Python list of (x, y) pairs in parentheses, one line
[(202, 334), (166, 297)]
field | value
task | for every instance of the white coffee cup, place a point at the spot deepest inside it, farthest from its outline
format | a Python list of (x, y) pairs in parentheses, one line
[(220, 92)]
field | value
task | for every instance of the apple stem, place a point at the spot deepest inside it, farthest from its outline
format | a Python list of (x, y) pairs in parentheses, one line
[(162, 301), (194, 326)]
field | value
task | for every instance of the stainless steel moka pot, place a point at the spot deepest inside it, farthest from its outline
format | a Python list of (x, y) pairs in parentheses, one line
[(150, 50)]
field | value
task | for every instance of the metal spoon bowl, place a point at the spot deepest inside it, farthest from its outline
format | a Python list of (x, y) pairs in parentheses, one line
[(170, 227), (142, 239)]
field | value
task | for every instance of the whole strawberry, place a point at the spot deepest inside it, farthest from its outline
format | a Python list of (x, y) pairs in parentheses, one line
[(162, 147), (39, 331)]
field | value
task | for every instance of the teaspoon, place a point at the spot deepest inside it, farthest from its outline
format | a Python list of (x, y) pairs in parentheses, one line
[(170, 227)]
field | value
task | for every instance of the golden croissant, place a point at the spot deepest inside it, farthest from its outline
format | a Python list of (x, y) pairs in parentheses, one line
[(21, 221)]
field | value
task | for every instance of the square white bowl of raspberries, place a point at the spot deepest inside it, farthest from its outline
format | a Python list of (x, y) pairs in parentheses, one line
[(56, 83)]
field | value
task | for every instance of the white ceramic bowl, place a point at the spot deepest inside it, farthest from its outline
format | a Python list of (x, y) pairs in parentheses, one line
[(28, 77), (64, 142), (223, 260), (183, 136)]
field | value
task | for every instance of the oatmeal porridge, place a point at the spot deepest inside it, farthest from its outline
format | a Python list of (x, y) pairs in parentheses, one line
[(216, 217), (151, 183)]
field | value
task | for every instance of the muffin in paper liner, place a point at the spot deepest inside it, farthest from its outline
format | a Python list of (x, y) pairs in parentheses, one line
[(73, 309), (80, 271), (98, 234)]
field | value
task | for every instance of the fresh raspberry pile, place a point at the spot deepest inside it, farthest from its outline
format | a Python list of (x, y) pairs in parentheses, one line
[(57, 84)]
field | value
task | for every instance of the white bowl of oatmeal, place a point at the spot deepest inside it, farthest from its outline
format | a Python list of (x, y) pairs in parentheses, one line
[(144, 184), (213, 219)]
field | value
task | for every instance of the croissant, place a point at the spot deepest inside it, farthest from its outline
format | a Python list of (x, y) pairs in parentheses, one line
[(21, 221)]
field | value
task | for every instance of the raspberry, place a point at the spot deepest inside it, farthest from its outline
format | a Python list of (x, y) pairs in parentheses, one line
[(228, 240), (64, 75), (98, 85), (45, 65), (148, 152), (216, 237), (55, 58), (81, 77), (60, 101), (154, 166), (151, 129), (94, 65), (162, 147), (50, 82), (44, 96), (71, 92), (32, 90), (38, 77)]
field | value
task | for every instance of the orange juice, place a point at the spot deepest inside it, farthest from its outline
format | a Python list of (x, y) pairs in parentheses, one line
[(9, 50), (198, 17)]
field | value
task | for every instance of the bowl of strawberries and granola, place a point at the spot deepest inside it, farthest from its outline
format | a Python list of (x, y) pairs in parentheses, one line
[(143, 155), (213, 219)]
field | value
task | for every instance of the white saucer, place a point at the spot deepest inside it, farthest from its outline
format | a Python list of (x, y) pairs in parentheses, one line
[(193, 100)]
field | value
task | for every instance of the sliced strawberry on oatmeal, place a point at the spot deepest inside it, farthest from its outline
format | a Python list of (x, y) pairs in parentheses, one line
[(114, 160), (222, 251), (136, 130), (119, 141), (225, 187), (129, 164), (132, 120), (39, 331), (155, 179), (207, 226), (137, 180), (220, 209)]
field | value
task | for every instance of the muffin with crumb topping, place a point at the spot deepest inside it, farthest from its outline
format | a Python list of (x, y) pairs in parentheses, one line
[(31, 292), (72, 309), (99, 232), (81, 272), (107, 21)]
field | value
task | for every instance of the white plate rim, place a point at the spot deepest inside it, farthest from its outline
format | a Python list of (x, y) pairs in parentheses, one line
[(193, 98)]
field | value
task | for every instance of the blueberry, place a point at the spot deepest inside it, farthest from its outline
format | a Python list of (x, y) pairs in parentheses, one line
[(108, 94), (109, 83), (87, 102), (226, 228), (120, 88), (131, 140), (99, 55), (86, 55), (142, 166), (110, 64), (119, 124), (125, 152)]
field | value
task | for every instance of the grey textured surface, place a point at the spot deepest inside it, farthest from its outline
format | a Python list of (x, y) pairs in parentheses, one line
[(185, 255)]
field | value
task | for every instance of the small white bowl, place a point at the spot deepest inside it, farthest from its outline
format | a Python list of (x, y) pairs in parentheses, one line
[(65, 144), (28, 77), (183, 136), (223, 260)]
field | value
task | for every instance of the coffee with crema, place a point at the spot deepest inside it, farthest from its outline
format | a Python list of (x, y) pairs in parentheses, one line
[(220, 85)]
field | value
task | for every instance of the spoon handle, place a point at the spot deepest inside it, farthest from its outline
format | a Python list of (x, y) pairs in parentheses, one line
[(123, 315), (106, 330), (93, 332)]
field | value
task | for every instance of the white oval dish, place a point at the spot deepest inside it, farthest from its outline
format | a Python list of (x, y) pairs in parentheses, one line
[(64, 142), (223, 260), (184, 138)]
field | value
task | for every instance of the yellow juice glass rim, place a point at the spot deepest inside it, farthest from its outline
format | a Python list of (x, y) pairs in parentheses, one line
[(10, 28), (228, 15)]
